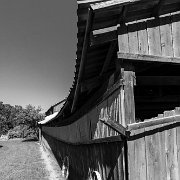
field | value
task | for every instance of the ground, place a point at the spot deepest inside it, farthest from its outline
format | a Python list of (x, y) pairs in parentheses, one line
[(26, 160)]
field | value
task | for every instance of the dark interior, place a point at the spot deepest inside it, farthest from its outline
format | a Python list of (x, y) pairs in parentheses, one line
[(157, 89)]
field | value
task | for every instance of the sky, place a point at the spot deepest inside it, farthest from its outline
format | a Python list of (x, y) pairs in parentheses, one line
[(37, 51)]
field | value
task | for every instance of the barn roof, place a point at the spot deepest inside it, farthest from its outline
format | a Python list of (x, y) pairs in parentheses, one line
[(97, 34)]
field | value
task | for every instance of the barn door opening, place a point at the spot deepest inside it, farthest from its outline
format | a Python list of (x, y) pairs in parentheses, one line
[(157, 90)]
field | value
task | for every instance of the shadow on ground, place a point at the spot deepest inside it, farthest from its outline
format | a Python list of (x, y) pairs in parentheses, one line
[(1, 146), (29, 140)]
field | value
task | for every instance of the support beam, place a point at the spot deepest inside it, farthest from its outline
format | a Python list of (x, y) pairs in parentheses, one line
[(108, 59), (83, 57), (154, 122), (148, 58), (115, 126), (128, 76)]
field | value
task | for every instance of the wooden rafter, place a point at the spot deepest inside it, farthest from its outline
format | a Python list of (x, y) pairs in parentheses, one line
[(108, 59), (148, 58), (111, 3), (94, 82), (83, 57), (122, 16)]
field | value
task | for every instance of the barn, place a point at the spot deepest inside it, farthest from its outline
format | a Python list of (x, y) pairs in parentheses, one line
[(121, 119)]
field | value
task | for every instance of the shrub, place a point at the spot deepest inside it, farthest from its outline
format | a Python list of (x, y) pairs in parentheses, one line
[(16, 132)]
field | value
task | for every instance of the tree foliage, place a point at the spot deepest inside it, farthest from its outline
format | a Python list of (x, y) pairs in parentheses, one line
[(19, 119)]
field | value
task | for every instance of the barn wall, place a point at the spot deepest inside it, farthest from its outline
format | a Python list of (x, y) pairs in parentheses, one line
[(105, 158), (154, 152), (155, 36), (89, 126)]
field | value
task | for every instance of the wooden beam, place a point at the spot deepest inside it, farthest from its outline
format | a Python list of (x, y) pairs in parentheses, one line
[(153, 122), (148, 58), (158, 80), (157, 8), (115, 126), (128, 76), (112, 3), (109, 34), (109, 55), (94, 82), (122, 16), (88, 1), (102, 36), (83, 57)]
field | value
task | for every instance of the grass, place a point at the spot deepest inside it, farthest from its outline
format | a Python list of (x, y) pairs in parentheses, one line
[(21, 161)]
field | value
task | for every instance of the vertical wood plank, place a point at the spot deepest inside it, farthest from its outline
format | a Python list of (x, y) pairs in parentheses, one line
[(121, 172), (131, 158), (140, 156), (133, 38), (93, 120), (122, 107), (162, 149), (166, 36), (154, 37), (112, 109), (143, 38), (129, 104), (178, 149), (171, 151), (176, 33), (123, 39), (115, 171), (103, 113), (152, 154)]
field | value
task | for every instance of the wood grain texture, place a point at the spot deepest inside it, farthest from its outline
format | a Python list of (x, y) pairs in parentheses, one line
[(133, 38), (152, 155), (154, 37), (123, 41), (149, 58), (129, 104), (171, 151), (139, 157), (166, 36), (142, 38), (176, 33)]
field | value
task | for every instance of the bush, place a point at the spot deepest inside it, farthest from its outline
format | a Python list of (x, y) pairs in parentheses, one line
[(30, 133), (23, 131), (16, 132)]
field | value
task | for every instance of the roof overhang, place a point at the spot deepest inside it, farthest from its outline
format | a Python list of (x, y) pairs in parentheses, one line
[(48, 118)]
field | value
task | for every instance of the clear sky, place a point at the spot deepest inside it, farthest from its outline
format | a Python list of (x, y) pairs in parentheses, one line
[(37, 51)]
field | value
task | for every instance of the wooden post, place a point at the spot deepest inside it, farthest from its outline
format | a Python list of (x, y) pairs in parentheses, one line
[(127, 73), (129, 104)]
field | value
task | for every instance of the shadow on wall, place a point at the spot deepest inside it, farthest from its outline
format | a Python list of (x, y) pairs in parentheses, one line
[(105, 158)]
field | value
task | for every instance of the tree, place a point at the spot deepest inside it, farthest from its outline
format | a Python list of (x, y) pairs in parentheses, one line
[(16, 118)]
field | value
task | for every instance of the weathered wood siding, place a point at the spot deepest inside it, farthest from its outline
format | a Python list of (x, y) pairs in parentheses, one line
[(106, 158), (155, 36), (154, 152), (89, 126)]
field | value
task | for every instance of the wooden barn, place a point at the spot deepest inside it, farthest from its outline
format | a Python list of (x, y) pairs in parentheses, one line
[(121, 119)]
